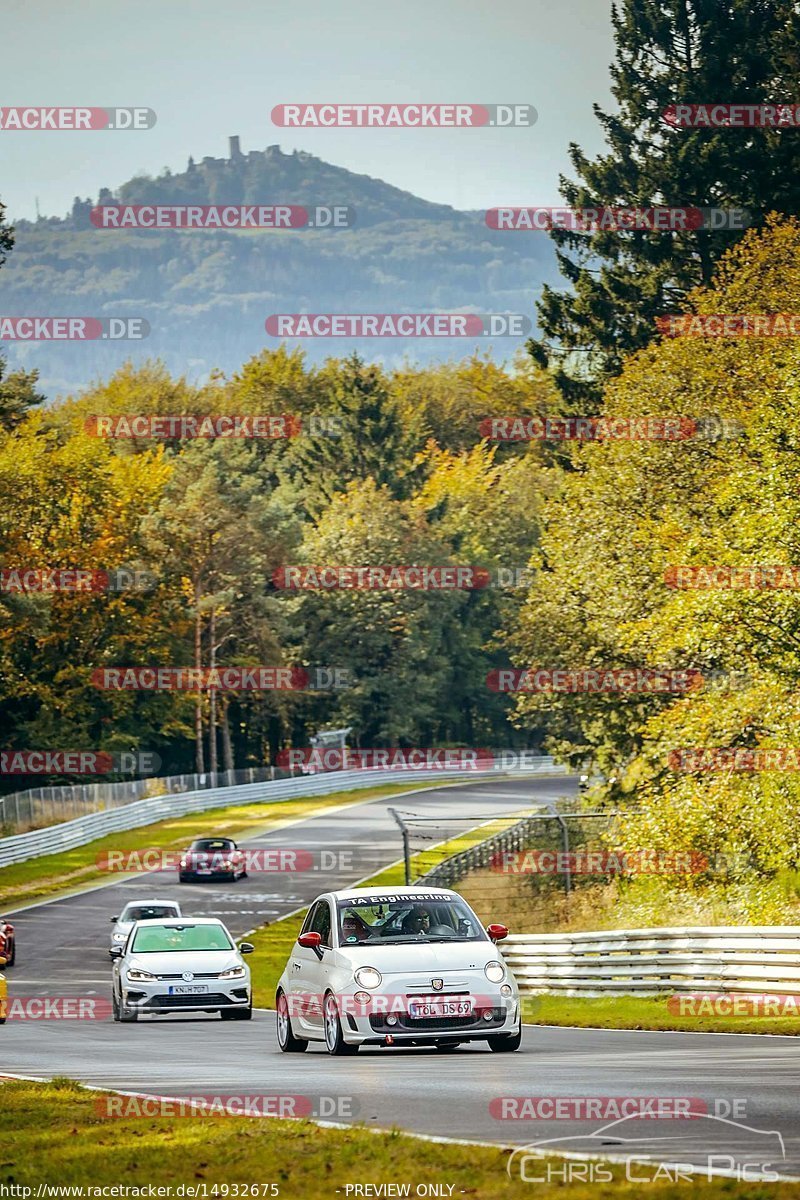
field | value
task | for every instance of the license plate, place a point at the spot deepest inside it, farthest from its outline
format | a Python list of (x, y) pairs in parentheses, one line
[(188, 989), (204, 870), (440, 1008)]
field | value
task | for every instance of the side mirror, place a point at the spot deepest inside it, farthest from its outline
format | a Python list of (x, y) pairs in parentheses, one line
[(115, 952), (311, 941), (114, 920), (246, 948), (497, 932)]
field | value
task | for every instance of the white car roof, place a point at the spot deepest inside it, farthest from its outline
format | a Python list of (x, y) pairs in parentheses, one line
[(419, 893), (149, 903), (180, 921)]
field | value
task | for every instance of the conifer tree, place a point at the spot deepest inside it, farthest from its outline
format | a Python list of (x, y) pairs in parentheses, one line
[(668, 52)]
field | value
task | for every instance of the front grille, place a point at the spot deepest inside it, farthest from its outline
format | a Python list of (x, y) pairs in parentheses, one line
[(198, 975), (407, 1024), (458, 986), (208, 1000)]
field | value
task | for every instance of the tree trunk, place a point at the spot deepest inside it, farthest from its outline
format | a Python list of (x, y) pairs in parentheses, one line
[(227, 746), (212, 697), (198, 662)]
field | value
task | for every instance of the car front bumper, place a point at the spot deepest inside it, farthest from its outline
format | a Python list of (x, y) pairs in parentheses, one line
[(156, 998), (216, 873), (388, 1018)]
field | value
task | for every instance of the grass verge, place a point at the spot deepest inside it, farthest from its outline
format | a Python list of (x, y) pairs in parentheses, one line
[(640, 1012), (72, 869), (53, 1134)]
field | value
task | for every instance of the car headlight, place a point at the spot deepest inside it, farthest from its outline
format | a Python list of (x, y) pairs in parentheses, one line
[(184, 862), (368, 977), (227, 864), (140, 976), (232, 973), (495, 971), (118, 937)]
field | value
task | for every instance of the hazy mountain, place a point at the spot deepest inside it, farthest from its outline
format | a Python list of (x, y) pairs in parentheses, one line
[(207, 293)]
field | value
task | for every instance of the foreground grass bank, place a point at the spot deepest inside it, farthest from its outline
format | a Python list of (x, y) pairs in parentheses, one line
[(72, 869), (54, 1134)]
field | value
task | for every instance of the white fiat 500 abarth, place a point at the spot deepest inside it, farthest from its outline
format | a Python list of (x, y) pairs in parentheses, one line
[(396, 965)]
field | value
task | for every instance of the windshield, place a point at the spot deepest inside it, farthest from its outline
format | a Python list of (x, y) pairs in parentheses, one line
[(177, 939), (149, 912), (389, 920), (212, 844)]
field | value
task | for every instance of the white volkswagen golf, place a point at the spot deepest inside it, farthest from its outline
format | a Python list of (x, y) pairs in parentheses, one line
[(391, 966), (187, 964)]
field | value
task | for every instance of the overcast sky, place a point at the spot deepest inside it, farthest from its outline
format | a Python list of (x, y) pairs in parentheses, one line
[(212, 69)]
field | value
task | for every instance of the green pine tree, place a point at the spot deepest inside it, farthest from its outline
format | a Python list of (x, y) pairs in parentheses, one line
[(668, 52), (359, 432)]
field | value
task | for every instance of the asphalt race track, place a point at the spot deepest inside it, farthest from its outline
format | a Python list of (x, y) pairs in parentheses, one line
[(747, 1085)]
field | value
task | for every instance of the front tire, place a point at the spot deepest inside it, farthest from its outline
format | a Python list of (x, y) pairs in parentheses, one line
[(126, 1015), (334, 1038), (237, 1014), (505, 1043), (288, 1043)]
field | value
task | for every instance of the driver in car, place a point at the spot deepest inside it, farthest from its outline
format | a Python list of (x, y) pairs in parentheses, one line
[(417, 921)]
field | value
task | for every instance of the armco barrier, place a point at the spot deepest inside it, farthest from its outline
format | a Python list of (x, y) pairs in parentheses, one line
[(69, 834), (650, 962)]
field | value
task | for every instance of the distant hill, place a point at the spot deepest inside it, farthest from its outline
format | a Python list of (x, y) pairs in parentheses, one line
[(207, 293)]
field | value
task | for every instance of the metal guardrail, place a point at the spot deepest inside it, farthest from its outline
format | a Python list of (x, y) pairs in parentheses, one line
[(649, 962), (48, 805), (517, 837), (69, 834)]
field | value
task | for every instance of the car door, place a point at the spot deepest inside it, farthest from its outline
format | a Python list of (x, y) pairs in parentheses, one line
[(308, 973)]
